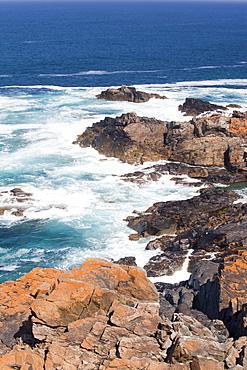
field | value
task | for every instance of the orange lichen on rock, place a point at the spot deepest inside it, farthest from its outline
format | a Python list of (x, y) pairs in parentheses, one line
[(238, 125), (104, 316), (233, 281)]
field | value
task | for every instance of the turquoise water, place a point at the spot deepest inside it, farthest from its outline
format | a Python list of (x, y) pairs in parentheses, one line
[(59, 56)]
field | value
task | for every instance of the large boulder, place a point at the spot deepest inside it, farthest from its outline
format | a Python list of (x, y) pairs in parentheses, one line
[(127, 93)]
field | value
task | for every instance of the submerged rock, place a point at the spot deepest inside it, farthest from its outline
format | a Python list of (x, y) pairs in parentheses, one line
[(12, 201), (127, 93)]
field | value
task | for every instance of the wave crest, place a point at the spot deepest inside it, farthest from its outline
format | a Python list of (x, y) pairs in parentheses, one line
[(86, 73)]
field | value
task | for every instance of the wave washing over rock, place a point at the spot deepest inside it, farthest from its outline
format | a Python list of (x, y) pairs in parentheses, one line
[(109, 315)]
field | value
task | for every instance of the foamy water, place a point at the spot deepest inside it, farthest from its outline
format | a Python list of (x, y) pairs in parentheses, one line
[(79, 202)]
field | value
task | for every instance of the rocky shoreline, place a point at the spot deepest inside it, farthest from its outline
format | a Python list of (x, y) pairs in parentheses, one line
[(108, 315), (104, 315)]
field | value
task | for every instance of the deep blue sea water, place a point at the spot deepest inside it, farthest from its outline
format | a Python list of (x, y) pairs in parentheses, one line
[(55, 57)]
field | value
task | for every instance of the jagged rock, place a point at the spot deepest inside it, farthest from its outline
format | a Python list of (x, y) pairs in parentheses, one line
[(165, 264), (106, 316), (205, 141), (204, 175), (142, 319), (194, 107), (127, 93), (237, 114), (141, 347), (130, 138), (238, 123), (129, 261), (220, 291), (155, 172), (219, 229), (202, 363), (66, 314), (180, 216)]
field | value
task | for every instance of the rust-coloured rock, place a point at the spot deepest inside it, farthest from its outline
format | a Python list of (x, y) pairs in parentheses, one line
[(104, 316)]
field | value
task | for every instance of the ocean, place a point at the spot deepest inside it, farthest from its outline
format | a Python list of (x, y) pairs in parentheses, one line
[(55, 58)]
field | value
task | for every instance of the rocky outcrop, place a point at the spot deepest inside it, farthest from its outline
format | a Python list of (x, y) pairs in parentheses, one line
[(206, 141), (230, 297), (215, 293), (105, 316), (194, 107), (238, 123), (238, 114), (206, 224), (172, 217), (130, 138), (127, 93)]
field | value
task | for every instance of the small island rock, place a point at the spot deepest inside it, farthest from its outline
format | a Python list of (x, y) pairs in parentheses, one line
[(127, 93)]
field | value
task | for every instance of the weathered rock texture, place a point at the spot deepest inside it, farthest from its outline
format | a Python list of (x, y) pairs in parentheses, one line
[(107, 316), (130, 138), (194, 107), (206, 141), (210, 223), (207, 209), (221, 293), (126, 93)]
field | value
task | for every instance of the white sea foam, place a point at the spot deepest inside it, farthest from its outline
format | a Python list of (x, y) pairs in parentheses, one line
[(9, 267), (86, 73), (241, 64), (77, 187), (178, 276), (31, 42), (202, 67)]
